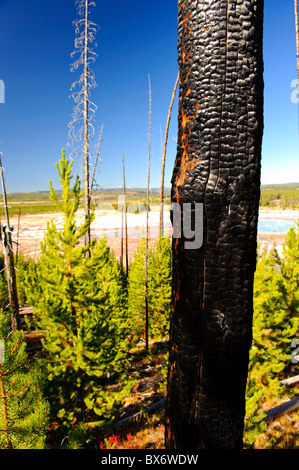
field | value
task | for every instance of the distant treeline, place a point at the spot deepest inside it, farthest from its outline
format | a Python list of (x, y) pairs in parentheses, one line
[(282, 196), (16, 209)]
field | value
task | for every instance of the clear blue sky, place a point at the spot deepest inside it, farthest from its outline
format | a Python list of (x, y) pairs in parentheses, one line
[(136, 38)]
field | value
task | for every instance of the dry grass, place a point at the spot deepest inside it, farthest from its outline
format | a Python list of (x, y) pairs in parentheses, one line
[(283, 433), (280, 434)]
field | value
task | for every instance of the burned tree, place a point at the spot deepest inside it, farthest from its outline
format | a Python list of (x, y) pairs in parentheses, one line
[(81, 128), (297, 45), (9, 261), (124, 231), (297, 36), (218, 166), (147, 213), (161, 222)]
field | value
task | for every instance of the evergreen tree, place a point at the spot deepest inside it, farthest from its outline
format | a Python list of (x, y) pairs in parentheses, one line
[(79, 302), (160, 279), (288, 278), (275, 325), (24, 411), (23, 265), (159, 289), (136, 289)]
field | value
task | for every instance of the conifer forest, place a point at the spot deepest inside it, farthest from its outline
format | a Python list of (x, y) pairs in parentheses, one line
[(167, 346)]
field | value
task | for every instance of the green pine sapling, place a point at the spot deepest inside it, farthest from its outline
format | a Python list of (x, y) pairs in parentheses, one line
[(136, 299), (159, 289), (160, 272), (79, 302), (275, 325), (24, 411)]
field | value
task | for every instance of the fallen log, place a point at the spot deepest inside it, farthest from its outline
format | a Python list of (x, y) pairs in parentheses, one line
[(163, 344), (34, 349), (290, 381), (147, 370), (282, 409), (33, 335), (26, 311), (33, 340), (137, 416)]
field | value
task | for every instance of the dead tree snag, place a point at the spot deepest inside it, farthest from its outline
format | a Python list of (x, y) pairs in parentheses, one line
[(218, 165)]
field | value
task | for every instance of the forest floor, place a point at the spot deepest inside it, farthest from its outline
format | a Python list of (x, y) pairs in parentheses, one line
[(141, 419)]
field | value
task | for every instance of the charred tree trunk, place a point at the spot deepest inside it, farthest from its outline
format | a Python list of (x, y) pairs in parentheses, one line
[(217, 165)]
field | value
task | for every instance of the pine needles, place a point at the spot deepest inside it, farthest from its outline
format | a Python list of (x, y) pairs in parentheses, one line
[(24, 412)]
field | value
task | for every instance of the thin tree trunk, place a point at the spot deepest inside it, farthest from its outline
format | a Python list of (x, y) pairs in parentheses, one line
[(80, 127), (122, 236), (9, 263), (161, 228), (297, 34), (297, 46), (147, 215), (125, 216), (86, 117), (93, 178), (220, 54), (18, 237)]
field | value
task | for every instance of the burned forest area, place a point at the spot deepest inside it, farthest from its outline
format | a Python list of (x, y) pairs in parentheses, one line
[(159, 318)]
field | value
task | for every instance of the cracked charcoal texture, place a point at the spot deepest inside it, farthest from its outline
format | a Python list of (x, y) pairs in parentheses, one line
[(220, 128)]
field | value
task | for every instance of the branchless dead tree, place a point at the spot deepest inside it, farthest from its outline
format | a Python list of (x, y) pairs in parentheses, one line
[(97, 160), (81, 128), (6, 237), (297, 46), (124, 222), (147, 213), (161, 222), (297, 35), (220, 54)]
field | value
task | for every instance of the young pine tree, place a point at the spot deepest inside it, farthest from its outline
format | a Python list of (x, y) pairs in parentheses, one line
[(136, 290), (159, 289), (24, 411), (23, 265), (160, 271), (78, 302), (275, 325)]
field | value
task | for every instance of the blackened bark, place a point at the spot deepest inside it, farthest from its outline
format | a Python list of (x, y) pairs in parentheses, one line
[(218, 165)]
